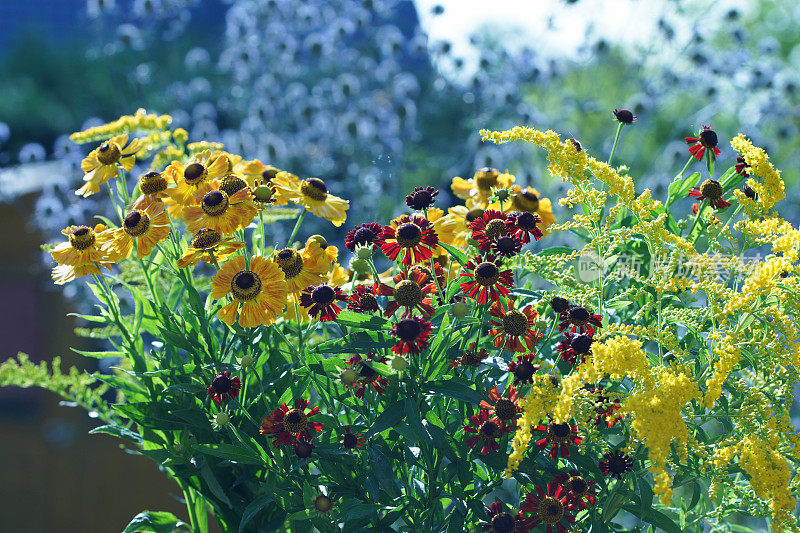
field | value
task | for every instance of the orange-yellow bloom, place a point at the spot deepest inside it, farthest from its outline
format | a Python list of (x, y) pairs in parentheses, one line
[(101, 163), (258, 294)]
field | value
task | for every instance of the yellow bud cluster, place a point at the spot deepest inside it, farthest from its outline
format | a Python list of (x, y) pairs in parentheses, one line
[(535, 408), (771, 189), (139, 121)]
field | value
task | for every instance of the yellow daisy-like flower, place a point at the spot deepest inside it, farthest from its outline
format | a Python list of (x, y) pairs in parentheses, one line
[(259, 294), (311, 193), (213, 208), (232, 184), (209, 245), (86, 250), (528, 200), (101, 163), (195, 176), (153, 186), (306, 267), (148, 226), (477, 190), (447, 228), (464, 217)]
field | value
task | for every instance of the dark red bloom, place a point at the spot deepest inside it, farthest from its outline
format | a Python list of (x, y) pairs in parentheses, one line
[(303, 447), (711, 190), (472, 357), (616, 464), (223, 384), (625, 116), (421, 198), (575, 347), (523, 225), (286, 425), (550, 508), (321, 301), (487, 430), (741, 167), (488, 226), (706, 141), (503, 407), (513, 328), (523, 369), (558, 438), (363, 300), (487, 282), (501, 521), (351, 441), (363, 235), (559, 304), (412, 335), (412, 235), (505, 245), (412, 290), (577, 318), (578, 489), (366, 374)]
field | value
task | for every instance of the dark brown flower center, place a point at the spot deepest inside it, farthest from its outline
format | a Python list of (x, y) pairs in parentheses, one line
[(494, 228), (303, 449), (245, 285), (314, 188), (408, 293), (194, 173), (221, 384), (108, 153), (473, 214), (368, 302), (507, 245), (551, 510), (711, 189), (559, 432), (624, 115), (290, 261), (472, 357), (487, 274), (526, 221), (581, 344), (152, 183), (419, 200), (231, 184), (489, 429), (486, 178), (526, 201), (524, 370), (515, 323), (503, 523), (82, 238), (577, 485), (269, 173), (367, 372), (363, 236), (408, 235), (323, 295), (505, 409), (294, 421), (408, 329), (206, 238), (708, 138), (579, 316), (136, 223), (349, 441), (215, 203)]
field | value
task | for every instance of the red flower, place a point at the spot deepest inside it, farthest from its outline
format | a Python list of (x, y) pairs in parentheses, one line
[(367, 375), (363, 235), (514, 330), (523, 369), (303, 447), (550, 508), (421, 198), (741, 167), (363, 300), (412, 335), (625, 116), (488, 226), (575, 347), (321, 301), (286, 425), (577, 318), (706, 141), (411, 234), (712, 190), (505, 245), (578, 489), (223, 384), (488, 281), (616, 464), (411, 290), (558, 439), (501, 521), (504, 408), (351, 441), (487, 430), (523, 225)]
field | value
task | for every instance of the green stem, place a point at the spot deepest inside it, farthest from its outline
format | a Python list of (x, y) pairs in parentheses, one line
[(300, 218), (616, 140), (696, 218)]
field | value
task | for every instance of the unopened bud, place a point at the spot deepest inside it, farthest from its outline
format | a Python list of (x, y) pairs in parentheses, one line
[(459, 309), (399, 363)]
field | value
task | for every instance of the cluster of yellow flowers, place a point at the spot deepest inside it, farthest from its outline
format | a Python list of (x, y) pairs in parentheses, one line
[(139, 121)]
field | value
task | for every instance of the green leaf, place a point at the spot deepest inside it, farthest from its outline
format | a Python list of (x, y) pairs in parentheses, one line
[(253, 509), (654, 517), (555, 250), (457, 254), (680, 186), (98, 355), (155, 521), (361, 320), (118, 431), (216, 489), (451, 388), (393, 414), (231, 453)]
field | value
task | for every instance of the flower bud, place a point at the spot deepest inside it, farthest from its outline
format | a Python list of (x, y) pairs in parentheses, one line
[(503, 195), (364, 252), (348, 377), (246, 360), (323, 243), (221, 419), (398, 363), (459, 309), (359, 265)]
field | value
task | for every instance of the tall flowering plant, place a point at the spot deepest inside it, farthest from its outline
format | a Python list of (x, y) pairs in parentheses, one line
[(484, 381)]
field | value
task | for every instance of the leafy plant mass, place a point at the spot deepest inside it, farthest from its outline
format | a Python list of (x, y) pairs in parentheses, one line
[(483, 381)]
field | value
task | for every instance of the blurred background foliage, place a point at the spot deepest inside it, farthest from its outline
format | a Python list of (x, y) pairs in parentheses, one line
[(359, 93)]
